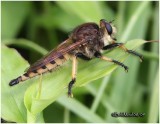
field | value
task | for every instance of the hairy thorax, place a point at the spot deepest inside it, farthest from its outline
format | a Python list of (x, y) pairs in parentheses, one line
[(89, 32)]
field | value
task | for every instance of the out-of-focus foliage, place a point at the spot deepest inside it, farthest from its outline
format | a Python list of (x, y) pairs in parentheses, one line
[(33, 28)]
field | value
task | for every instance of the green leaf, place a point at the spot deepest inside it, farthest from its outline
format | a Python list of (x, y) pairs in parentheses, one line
[(54, 84), (88, 11), (82, 11), (110, 108), (136, 26), (26, 44), (121, 17), (78, 108), (100, 93), (66, 115), (13, 16), (12, 105), (154, 105)]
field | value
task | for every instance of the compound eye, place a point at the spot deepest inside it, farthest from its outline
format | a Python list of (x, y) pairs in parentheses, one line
[(108, 28)]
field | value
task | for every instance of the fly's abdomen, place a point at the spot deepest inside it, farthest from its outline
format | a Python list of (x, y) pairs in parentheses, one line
[(40, 70)]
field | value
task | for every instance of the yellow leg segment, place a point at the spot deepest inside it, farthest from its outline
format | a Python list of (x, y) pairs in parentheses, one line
[(74, 70)]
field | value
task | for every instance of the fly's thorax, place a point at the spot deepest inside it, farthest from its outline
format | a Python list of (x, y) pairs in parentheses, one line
[(85, 32), (89, 34)]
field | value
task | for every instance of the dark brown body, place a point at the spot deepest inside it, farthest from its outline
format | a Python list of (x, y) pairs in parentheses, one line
[(84, 39), (85, 42), (90, 34)]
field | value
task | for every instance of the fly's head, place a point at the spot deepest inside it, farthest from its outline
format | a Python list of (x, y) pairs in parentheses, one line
[(108, 32)]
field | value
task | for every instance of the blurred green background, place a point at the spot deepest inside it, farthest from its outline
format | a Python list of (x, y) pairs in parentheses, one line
[(33, 28)]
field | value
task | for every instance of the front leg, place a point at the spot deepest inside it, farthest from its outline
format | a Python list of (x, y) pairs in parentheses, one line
[(98, 55), (111, 46), (121, 45)]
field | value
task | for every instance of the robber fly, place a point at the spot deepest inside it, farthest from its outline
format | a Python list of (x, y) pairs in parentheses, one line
[(85, 42)]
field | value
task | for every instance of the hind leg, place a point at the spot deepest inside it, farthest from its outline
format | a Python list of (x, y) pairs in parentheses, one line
[(98, 55)]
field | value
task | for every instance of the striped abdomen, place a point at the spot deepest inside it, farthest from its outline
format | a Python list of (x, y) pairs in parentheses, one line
[(40, 70)]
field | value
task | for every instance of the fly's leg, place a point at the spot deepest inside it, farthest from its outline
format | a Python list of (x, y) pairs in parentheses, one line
[(111, 46), (74, 68), (70, 85), (98, 55), (121, 45), (80, 55)]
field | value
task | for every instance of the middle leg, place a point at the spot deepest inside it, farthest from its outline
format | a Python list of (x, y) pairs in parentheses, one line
[(98, 55), (74, 69)]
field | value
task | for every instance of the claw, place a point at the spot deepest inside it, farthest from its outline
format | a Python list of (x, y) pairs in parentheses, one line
[(141, 58), (70, 95), (136, 54), (126, 69)]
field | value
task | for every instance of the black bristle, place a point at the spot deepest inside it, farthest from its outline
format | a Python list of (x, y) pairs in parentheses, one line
[(121, 64), (135, 53)]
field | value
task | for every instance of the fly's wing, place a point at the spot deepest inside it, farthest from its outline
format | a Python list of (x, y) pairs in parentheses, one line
[(48, 57), (63, 48)]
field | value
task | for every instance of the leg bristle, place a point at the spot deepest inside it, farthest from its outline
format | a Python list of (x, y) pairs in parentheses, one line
[(136, 54), (70, 85), (121, 64)]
